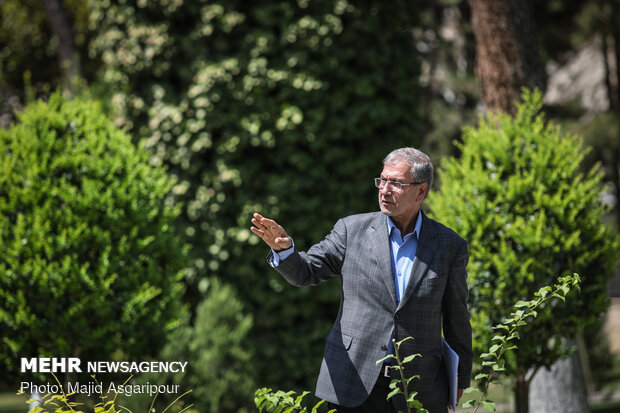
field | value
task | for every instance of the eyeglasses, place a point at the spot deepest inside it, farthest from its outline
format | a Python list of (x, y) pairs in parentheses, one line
[(380, 183)]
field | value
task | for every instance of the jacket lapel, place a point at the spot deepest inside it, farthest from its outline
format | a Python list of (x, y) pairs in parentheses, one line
[(381, 247), (424, 254)]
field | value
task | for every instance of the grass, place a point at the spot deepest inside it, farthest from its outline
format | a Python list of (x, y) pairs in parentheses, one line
[(606, 407), (13, 403)]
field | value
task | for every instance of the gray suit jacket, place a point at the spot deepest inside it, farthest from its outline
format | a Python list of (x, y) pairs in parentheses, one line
[(358, 249)]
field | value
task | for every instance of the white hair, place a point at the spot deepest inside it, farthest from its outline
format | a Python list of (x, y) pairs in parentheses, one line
[(419, 162)]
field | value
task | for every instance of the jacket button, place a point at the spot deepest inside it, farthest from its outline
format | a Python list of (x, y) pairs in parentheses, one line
[(384, 347), (396, 316)]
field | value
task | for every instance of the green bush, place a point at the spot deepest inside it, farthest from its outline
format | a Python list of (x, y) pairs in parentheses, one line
[(281, 107), (219, 370), (89, 262), (517, 194)]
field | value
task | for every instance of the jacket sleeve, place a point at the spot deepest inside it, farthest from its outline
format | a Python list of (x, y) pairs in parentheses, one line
[(322, 261), (456, 317)]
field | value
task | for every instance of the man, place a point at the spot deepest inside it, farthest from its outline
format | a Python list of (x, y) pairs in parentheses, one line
[(402, 274)]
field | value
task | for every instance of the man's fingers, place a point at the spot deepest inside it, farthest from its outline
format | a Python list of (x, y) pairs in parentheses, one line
[(258, 216), (257, 223), (271, 225), (270, 231), (260, 225), (266, 224), (257, 220), (261, 221), (257, 231)]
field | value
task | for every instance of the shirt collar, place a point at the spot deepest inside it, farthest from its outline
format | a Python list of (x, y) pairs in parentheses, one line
[(416, 229)]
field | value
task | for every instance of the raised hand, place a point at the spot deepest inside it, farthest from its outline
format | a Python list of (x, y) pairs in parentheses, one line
[(271, 232)]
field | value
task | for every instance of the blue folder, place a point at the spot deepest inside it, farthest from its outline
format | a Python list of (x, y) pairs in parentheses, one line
[(451, 361)]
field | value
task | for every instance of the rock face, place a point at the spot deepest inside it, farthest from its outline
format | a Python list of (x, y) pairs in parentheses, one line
[(582, 78), (561, 389)]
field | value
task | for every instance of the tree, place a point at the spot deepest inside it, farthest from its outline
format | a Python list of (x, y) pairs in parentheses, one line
[(508, 59), (62, 27), (220, 371), (42, 49), (506, 51), (89, 260), (518, 196), (286, 108)]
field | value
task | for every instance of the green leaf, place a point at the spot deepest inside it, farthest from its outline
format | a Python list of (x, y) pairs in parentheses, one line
[(301, 397), (499, 366), (319, 404), (389, 357), (488, 405), (393, 393), (410, 358), (469, 403), (514, 334)]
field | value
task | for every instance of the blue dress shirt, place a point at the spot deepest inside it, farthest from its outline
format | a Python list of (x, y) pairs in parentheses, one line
[(403, 253)]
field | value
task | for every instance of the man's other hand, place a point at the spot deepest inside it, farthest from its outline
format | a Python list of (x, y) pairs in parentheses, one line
[(271, 232)]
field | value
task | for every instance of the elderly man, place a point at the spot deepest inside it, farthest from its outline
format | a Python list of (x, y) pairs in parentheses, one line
[(402, 274)]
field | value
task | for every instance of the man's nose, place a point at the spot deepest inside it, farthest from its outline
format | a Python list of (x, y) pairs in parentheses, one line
[(385, 189)]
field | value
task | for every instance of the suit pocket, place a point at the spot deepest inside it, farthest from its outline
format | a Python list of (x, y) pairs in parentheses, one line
[(339, 339), (432, 275), (432, 287)]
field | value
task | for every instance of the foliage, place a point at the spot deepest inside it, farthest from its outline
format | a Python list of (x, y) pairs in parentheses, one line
[(243, 100), (518, 196), (280, 401), (219, 370), (401, 386), (62, 403), (89, 261), (506, 334), (28, 46)]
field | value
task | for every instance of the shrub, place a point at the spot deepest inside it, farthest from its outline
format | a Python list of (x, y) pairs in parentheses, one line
[(517, 194), (89, 262), (219, 370)]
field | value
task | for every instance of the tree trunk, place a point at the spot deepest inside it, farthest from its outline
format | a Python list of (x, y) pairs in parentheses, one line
[(62, 27), (561, 389), (507, 56), (521, 389)]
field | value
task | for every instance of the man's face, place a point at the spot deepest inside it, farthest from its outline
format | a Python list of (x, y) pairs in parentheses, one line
[(402, 205)]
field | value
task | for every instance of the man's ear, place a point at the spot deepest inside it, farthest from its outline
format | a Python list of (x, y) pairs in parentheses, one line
[(423, 190)]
